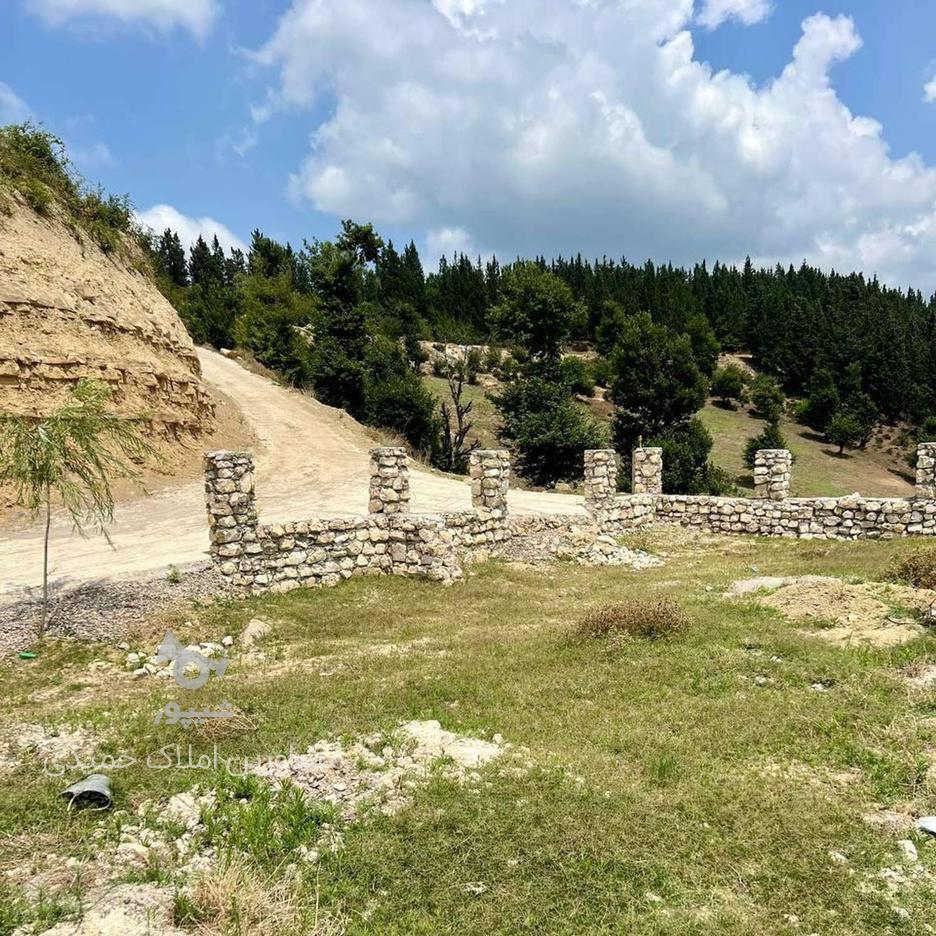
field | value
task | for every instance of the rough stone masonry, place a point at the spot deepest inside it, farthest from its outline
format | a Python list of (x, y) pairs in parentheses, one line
[(255, 557)]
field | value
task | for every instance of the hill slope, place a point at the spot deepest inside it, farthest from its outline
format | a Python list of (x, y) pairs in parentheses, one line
[(68, 310)]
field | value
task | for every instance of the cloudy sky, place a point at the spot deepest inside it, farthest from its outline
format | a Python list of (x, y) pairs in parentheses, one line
[(670, 129)]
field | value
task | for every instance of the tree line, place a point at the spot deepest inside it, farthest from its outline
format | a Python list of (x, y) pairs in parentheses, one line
[(344, 317)]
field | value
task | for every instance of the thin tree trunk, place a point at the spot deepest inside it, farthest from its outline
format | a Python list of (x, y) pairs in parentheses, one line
[(45, 565)]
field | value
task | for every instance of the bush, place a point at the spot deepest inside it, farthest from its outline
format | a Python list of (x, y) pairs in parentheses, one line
[(547, 429), (917, 568), (33, 162), (472, 365), (767, 398), (770, 438), (492, 360), (634, 618), (576, 376), (729, 385)]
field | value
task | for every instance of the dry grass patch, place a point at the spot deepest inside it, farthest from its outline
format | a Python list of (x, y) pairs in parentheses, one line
[(917, 568), (236, 899), (634, 618)]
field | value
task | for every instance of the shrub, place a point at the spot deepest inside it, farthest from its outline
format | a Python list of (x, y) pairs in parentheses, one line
[(634, 618), (492, 360), (547, 429), (472, 365), (33, 162), (770, 438), (767, 398), (729, 385), (576, 375), (917, 568)]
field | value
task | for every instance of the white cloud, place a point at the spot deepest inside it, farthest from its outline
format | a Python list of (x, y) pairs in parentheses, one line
[(94, 156), (929, 91), (447, 242), (195, 16), (160, 217), (589, 125), (747, 12), (13, 109)]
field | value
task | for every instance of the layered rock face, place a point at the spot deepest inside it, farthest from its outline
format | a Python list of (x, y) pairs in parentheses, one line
[(68, 311)]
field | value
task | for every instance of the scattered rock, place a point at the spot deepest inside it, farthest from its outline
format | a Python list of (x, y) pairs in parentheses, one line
[(927, 824), (909, 850), (121, 910), (381, 770), (255, 630)]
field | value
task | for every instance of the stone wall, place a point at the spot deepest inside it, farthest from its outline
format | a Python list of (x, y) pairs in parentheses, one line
[(772, 474), (647, 471), (256, 557), (489, 471), (926, 470), (389, 481)]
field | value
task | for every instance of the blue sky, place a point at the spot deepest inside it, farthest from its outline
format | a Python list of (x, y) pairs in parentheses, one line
[(491, 125)]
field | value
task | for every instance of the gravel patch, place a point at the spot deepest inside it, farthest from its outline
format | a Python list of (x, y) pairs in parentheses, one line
[(379, 770), (105, 608)]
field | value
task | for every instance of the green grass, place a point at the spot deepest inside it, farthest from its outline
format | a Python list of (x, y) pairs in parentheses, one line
[(817, 471), (663, 788)]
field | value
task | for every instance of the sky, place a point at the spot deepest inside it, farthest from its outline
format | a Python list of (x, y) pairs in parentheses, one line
[(786, 130)]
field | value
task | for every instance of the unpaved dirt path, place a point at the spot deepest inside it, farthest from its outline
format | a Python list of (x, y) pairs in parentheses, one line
[(312, 461)]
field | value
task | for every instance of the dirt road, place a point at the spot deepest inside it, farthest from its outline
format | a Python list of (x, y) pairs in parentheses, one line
[(312, 461)]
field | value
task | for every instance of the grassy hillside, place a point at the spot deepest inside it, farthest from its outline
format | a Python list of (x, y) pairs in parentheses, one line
[(483, 415), (818, 470)]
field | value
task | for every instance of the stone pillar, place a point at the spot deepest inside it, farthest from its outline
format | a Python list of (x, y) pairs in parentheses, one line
[(232, 508), (489, 470), (389, 481), (647, 471), (926, 470), (600, 479), (772, 474)]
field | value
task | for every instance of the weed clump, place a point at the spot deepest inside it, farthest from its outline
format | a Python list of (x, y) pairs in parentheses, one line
[(648, 619), (917, 568)]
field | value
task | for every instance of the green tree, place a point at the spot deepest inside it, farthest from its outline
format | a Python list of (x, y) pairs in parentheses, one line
[(822, 401), (686, 465), (546, 429), (770, 438), (396, 398), (274, 326), (537, 311), (767, 398), (657, 384), (71, 456), (171, 258), (861, 407), (729, 385), (576, 375), (609, 326), (843, 429)]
